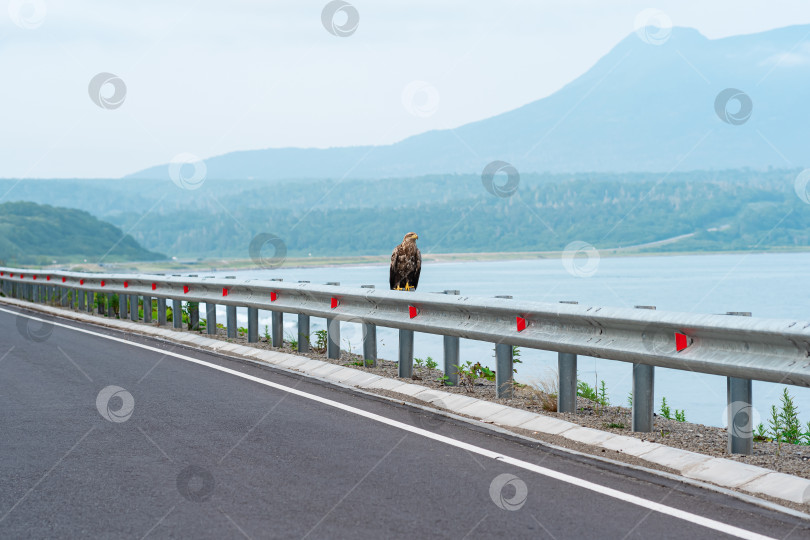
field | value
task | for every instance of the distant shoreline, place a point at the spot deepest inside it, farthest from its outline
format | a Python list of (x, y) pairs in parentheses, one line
[(214, 265)]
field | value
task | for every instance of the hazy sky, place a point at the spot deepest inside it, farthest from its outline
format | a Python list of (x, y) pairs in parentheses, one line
[(207, 78)]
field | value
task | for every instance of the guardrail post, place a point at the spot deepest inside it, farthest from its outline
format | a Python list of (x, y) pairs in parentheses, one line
[(161, 311), (231, 329), (504, 361), (230, 320), (177, 313), (147, 309), (123, 310), (277, 325), (643, 397), (253, 325), (82, 300), (210, 318), (100, 302), (303, 333), (405, 354), (567, 382), (369, 340), (739, 411), (133, 308), (303, 330), (110, 307), (503, 370), (740, 416), (278, 328), (333, 333), (332, 338), (451, 352), (194, 315), (643, 394)]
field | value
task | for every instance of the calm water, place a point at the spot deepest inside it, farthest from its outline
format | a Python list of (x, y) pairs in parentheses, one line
[(768, 285)]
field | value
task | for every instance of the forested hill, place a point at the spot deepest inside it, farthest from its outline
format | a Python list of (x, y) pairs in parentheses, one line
[(681, 211), (41, 234)]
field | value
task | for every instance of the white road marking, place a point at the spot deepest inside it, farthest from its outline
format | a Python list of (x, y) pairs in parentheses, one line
[(610, 492)]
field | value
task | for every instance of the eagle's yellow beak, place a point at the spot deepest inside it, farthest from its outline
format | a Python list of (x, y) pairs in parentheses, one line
[(416, 236)]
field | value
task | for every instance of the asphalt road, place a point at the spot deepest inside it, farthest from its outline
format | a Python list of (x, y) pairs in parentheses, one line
[(179, 449)]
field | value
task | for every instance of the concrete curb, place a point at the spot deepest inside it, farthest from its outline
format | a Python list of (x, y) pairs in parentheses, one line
[(719, 471)]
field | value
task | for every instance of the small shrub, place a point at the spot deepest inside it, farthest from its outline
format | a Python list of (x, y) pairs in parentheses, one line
[(586, 391), (665, 410), (791, 427), (775, 425), (444, 380), (320, 341), (292, 341), (466, 375), (431, 363), (603, 399)]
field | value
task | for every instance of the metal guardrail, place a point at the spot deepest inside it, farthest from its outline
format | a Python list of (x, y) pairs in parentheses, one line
[(740, 348)]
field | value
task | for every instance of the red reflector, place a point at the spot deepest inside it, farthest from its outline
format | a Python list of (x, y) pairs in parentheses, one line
[(22, 276), (274, 296), (335, 303), (64, 279), (412, 311), (681, 341), (154, 286), (2, 273), (224, 292), (11, 274), (48, 278), (103, 283), (126, 284), (81, 282), (35, 277), (185, 289), (521, 324)]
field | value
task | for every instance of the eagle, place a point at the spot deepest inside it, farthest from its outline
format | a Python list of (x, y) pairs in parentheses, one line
[(406, 263)]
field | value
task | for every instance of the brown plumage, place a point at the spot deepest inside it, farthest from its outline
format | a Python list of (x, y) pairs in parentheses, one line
[(406, 264)]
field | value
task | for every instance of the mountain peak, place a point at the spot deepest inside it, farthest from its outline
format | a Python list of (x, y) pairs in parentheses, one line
[(642, 107)]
